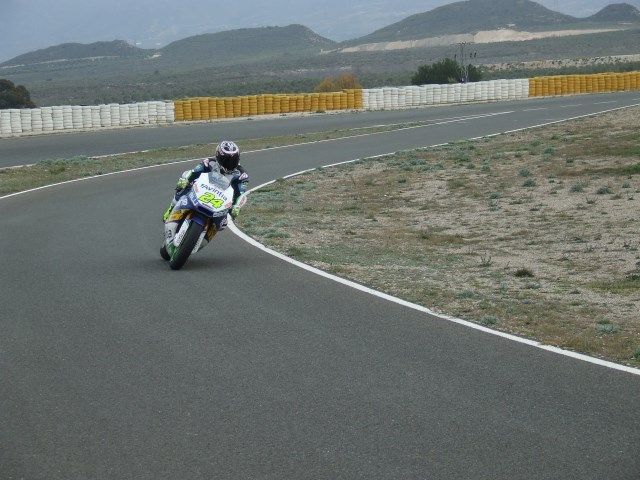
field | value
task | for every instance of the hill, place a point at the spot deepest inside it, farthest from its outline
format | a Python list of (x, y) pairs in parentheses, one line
[(247, 43), (468, 16), (78, 51), (617, 12)]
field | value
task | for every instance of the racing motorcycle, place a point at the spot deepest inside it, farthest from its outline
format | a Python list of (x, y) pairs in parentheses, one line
[(197, 217)]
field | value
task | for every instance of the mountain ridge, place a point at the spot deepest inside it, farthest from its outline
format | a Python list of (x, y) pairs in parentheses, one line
[(472, 16), (224, 46), (616, 12), (76, 51), (245, 44)]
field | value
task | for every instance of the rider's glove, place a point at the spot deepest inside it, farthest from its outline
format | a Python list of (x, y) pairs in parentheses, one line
[(234, 212), (182, 184)]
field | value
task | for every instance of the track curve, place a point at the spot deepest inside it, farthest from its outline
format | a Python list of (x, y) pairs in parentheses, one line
[(242, 366)]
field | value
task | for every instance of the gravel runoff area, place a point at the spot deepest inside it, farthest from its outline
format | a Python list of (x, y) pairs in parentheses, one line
[(533, 233)]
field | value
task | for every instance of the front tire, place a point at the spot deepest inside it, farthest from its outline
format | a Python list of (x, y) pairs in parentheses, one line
[(187, 245)]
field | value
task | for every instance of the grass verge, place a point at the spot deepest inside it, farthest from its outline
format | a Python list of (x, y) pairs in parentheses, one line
[(60, 170), (533, 233)]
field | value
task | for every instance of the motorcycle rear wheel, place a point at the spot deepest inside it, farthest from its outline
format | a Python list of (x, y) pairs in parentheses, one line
[(187, 245)]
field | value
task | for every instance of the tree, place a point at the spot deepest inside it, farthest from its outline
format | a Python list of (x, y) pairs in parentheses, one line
[(14, 97), (444, 71), (343, 82)]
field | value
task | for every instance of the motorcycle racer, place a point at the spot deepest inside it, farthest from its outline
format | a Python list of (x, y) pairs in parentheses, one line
[(227, 162)]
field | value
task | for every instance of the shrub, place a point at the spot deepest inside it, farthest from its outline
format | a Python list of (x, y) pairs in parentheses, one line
[(12, 96), (344, 81), (524, 273), (444, 71)]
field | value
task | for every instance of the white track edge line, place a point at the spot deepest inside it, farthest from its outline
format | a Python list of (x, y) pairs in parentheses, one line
[(475, 326), (420, 308), (473, 117)]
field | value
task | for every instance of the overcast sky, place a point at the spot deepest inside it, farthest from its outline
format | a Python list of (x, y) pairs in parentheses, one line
[(31, 24)]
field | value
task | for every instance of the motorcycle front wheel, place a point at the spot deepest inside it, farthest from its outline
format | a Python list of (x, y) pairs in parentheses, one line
[(187, 245)]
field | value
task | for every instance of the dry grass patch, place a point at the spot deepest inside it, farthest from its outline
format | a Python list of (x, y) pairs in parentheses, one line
[(533, 233)]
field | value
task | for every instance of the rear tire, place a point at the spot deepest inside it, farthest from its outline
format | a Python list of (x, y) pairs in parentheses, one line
[(186, 246)]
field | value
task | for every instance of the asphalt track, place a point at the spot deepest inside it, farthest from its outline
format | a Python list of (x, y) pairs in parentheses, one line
[(243, 366), (26, 150)]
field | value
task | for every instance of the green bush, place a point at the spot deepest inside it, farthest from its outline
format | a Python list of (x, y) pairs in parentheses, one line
[(444, 71), (14, 97)]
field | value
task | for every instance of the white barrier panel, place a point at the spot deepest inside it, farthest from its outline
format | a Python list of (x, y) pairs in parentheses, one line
[(105, 116), (5, 123), (86, 117), (124, 115), (134, 115), (457, 92), (25, 121), (390, 98), (67, 117), (143, 113), (402, 98), (47, 119), (16, 122), (171, 112), (36, 120), (114, 112)]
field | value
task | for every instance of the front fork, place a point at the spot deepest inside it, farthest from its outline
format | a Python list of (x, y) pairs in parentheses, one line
[(178, 223)]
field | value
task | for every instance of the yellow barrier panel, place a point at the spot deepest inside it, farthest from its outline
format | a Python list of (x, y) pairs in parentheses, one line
[(277, 105), (261, 107), (315, 102), (228, 107), (195, 110), (545, 87), (633, 82), (322, 102), (328, 100), (558, 85), (188, 115), (564, 85), (221, 108), (179, 111), (284, 104), (237, 106), (244, 106), (213, 108), (268, 104), (609, 86), (589, 84), (204, 108), (344, 100), (253, 105), (359, 98)]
